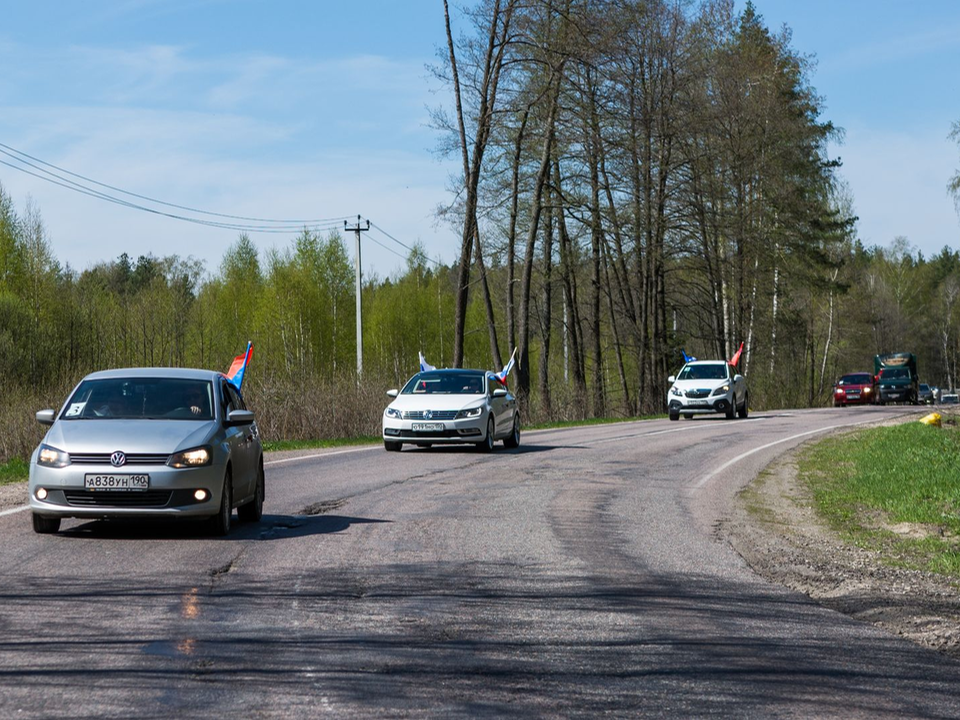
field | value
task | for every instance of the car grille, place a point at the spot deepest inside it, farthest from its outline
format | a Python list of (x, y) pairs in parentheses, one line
[(104, 459), (435, 415), (698, 393), (107, 498)]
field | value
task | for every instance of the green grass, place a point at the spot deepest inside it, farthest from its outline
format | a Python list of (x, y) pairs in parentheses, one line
[(590, 421), (275, 445), (15, 470), (892, 489)]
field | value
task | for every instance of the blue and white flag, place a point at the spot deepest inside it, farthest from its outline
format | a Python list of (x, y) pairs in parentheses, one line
[(424, 365), (502, 375), (687, 358)]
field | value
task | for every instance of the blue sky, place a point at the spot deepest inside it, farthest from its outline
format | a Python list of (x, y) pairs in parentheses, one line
[(319, 110)]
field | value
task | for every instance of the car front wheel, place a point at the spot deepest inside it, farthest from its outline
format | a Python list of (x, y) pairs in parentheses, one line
[(391, 446), (253, 510), (45, 525), (487, 444), (221, 521), (742, 411)]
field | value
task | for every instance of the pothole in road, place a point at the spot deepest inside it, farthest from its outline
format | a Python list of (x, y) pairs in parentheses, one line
[(324, 506)]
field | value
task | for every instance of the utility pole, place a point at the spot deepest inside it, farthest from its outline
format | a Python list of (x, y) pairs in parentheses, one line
[(357, 229)]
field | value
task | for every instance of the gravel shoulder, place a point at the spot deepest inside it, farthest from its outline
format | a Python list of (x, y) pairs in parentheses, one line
[(774, 527)]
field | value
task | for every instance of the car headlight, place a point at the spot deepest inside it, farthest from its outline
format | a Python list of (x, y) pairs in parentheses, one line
[(51, 457), (470, 413), (676, 391), (722, 390), (196, 457), (392, 413), (866, 390)]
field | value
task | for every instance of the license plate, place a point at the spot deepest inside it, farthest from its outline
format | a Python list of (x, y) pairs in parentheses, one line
[(699, 402), (427, 427), (853, 396), (116, 482)]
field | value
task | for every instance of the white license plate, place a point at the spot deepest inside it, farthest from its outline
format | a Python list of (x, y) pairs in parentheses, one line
[(427, 427), (853, 396), (116, 482), (699, 402)]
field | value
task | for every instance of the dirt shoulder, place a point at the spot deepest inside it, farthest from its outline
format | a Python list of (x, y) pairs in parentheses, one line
[(775, 529), (13, 495)]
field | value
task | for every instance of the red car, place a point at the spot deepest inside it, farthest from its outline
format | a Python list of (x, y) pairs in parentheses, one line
[(854, 389)]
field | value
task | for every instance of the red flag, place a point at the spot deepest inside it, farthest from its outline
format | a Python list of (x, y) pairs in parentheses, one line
[(239, 366), (736, 356)]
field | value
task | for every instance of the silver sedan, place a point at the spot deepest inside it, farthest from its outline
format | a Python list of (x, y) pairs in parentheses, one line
[(158, 442)]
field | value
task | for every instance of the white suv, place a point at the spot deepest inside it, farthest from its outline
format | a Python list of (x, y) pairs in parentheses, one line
[(707, 386)]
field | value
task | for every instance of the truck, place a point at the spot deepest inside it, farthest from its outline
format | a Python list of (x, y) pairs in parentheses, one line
[(897, 378)]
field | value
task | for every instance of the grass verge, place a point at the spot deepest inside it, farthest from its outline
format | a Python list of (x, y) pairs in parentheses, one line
[(894, 490), (15, 470), (275, 445)]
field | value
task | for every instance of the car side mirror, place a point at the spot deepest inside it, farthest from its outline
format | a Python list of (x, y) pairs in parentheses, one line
[(738, 377), (499, 392), (393, 393), (672, 379), (239, 417), (46, 417)]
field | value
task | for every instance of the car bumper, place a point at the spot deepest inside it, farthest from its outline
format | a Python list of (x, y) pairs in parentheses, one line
[(467, 430), (895, 394), (704, 406), (861, 399), (170, 492)]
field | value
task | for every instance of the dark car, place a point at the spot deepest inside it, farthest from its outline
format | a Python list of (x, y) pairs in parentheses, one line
[(854, 389), (926, 396)]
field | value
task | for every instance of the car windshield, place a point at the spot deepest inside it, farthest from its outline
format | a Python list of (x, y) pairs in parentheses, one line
[(141, 398), (858, 379), (443, 383), (924, 388), (712, 371), (895, 373)]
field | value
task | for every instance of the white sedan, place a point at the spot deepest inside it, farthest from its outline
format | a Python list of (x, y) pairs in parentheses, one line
[(707, 387), (451, 406)]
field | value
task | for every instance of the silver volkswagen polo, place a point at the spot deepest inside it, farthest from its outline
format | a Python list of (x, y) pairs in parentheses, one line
[(159, 442)]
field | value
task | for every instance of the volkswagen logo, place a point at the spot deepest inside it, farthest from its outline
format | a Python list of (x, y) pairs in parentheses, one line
[(118, 459), (428, 414)]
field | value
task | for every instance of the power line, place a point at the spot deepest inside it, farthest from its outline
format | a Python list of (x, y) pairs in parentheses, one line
[(76, 187), (14, 153)]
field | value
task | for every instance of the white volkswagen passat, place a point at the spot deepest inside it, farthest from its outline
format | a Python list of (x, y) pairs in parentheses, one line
[(451, 406), (707, 387)]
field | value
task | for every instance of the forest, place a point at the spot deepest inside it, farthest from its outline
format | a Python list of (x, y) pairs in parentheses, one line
[(637, 178)]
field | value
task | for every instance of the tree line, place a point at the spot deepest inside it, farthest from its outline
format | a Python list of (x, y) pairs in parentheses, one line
[(637, 178)]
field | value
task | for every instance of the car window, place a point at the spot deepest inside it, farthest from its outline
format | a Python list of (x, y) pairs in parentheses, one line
[(712, 371), (141, 399), (440, 383), (857, 379)]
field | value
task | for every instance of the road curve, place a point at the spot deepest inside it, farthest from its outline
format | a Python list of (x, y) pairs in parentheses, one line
[(575, 576)]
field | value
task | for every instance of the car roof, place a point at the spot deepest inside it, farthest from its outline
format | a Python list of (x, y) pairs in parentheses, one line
[(454, 371), (708, 362), (154, 372)]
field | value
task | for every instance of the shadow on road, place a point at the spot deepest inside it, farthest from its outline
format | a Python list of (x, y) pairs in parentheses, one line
[(270, 527)]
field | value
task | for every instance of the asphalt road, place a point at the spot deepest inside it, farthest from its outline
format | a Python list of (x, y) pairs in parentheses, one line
[(577, 576)]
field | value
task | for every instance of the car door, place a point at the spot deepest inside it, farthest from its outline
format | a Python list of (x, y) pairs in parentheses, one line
[(240, 440), (739, 385), (502, 406)]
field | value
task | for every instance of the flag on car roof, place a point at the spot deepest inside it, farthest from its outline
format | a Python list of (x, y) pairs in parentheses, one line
[(502, 375), (687, 358), (424, 365), (736, 356), (239, 366)]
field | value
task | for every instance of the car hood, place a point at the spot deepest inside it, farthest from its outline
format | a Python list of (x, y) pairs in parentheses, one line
[(711, 385), (130, 436), (855, 386), (436, 402)]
